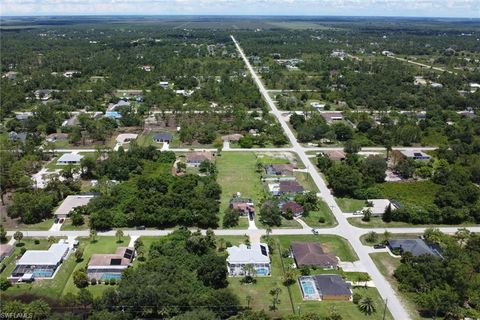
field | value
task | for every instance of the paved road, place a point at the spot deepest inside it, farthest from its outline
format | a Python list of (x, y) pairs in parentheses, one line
[(344, 228), (421, 64)]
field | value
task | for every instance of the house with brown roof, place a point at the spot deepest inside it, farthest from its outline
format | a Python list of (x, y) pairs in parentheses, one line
[(244, 206), (293, 207), (279, 169), (336, 155), (290, 187), (57, 137), (195, 158), (308, 254), (234, 137), (110, 266)]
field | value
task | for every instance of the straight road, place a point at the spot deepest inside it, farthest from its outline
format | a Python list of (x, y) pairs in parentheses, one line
[(345, 229), (422, 64)]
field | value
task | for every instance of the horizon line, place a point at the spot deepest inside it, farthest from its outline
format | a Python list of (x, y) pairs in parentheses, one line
[(225, 15)]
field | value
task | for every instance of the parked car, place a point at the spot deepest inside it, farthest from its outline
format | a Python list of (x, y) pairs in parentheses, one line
[(140, 227), (379, 246)]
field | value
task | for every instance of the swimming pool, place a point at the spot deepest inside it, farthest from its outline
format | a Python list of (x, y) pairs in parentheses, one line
[(262, 271), (108, 276), (42, 273), (309, 288)]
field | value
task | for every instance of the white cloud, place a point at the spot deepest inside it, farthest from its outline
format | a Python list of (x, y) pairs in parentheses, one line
[(466, 8)]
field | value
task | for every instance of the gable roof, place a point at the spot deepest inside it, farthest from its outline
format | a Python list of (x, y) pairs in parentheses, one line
[(256, 253), (312, 254), (331, 285), (278, 169)]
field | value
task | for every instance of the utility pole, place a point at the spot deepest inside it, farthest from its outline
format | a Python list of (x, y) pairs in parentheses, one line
[(385, 309)]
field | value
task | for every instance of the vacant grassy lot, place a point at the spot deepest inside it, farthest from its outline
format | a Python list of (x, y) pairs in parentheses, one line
[(377, 222), (419, 193), (305, 179), (323, 212), (101, 245), (41, 226), (387, 264), (237, 173), (350, 205)]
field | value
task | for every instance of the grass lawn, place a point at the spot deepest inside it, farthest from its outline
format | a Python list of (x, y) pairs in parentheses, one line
[(41, 226), (350, 205), (102, 245), (67, 225), (306, 181), (377, 222), (259, 292), (266, 160), (387, 264), (290, 297), (419, 193), (323, 211), (331, 243), (237, 173)]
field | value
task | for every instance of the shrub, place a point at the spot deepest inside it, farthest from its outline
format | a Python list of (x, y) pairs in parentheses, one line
[(356, 297), (305, 271), (321, 220), (80, 279), (93, 281), (23, 250), (372, 237), (36, 241), (4, 284), (113, 282)]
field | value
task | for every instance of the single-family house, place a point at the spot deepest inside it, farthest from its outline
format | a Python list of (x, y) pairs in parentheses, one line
[(378, 206), (329, 287), (336, 155), (10, 75), (44, 94), (70, 73), (164, 84), (119, 104), (256, 255), (5, 251), (23, 116), (14, 136), (311, 254), (474, 87), (70, 158), (279, 169), (162, 137), (293, 207), (332, 116), (70, 203), (234, 137), (290, 187), (110, 266), (410, 154), (317, 105), (38, 264), (436, 85), (416, 247), (53, 137), (244, 206), (195, 158)]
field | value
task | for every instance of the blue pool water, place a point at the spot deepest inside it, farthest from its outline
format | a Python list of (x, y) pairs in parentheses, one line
[(108, 276), (262, 271), (42, 273), (308, 287)]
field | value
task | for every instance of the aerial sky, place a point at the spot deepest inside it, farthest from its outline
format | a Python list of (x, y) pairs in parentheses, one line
[(414, 8)]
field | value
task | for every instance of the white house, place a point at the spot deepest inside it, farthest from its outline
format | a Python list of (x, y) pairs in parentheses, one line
[(255, 255), (70, 158), (41, 264), (70, 203), (378, 206)]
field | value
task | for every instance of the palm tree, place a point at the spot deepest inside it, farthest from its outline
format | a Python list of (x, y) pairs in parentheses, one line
[(386, 235), (367, 306), (93, 235), (268, 231), (221, 243)]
